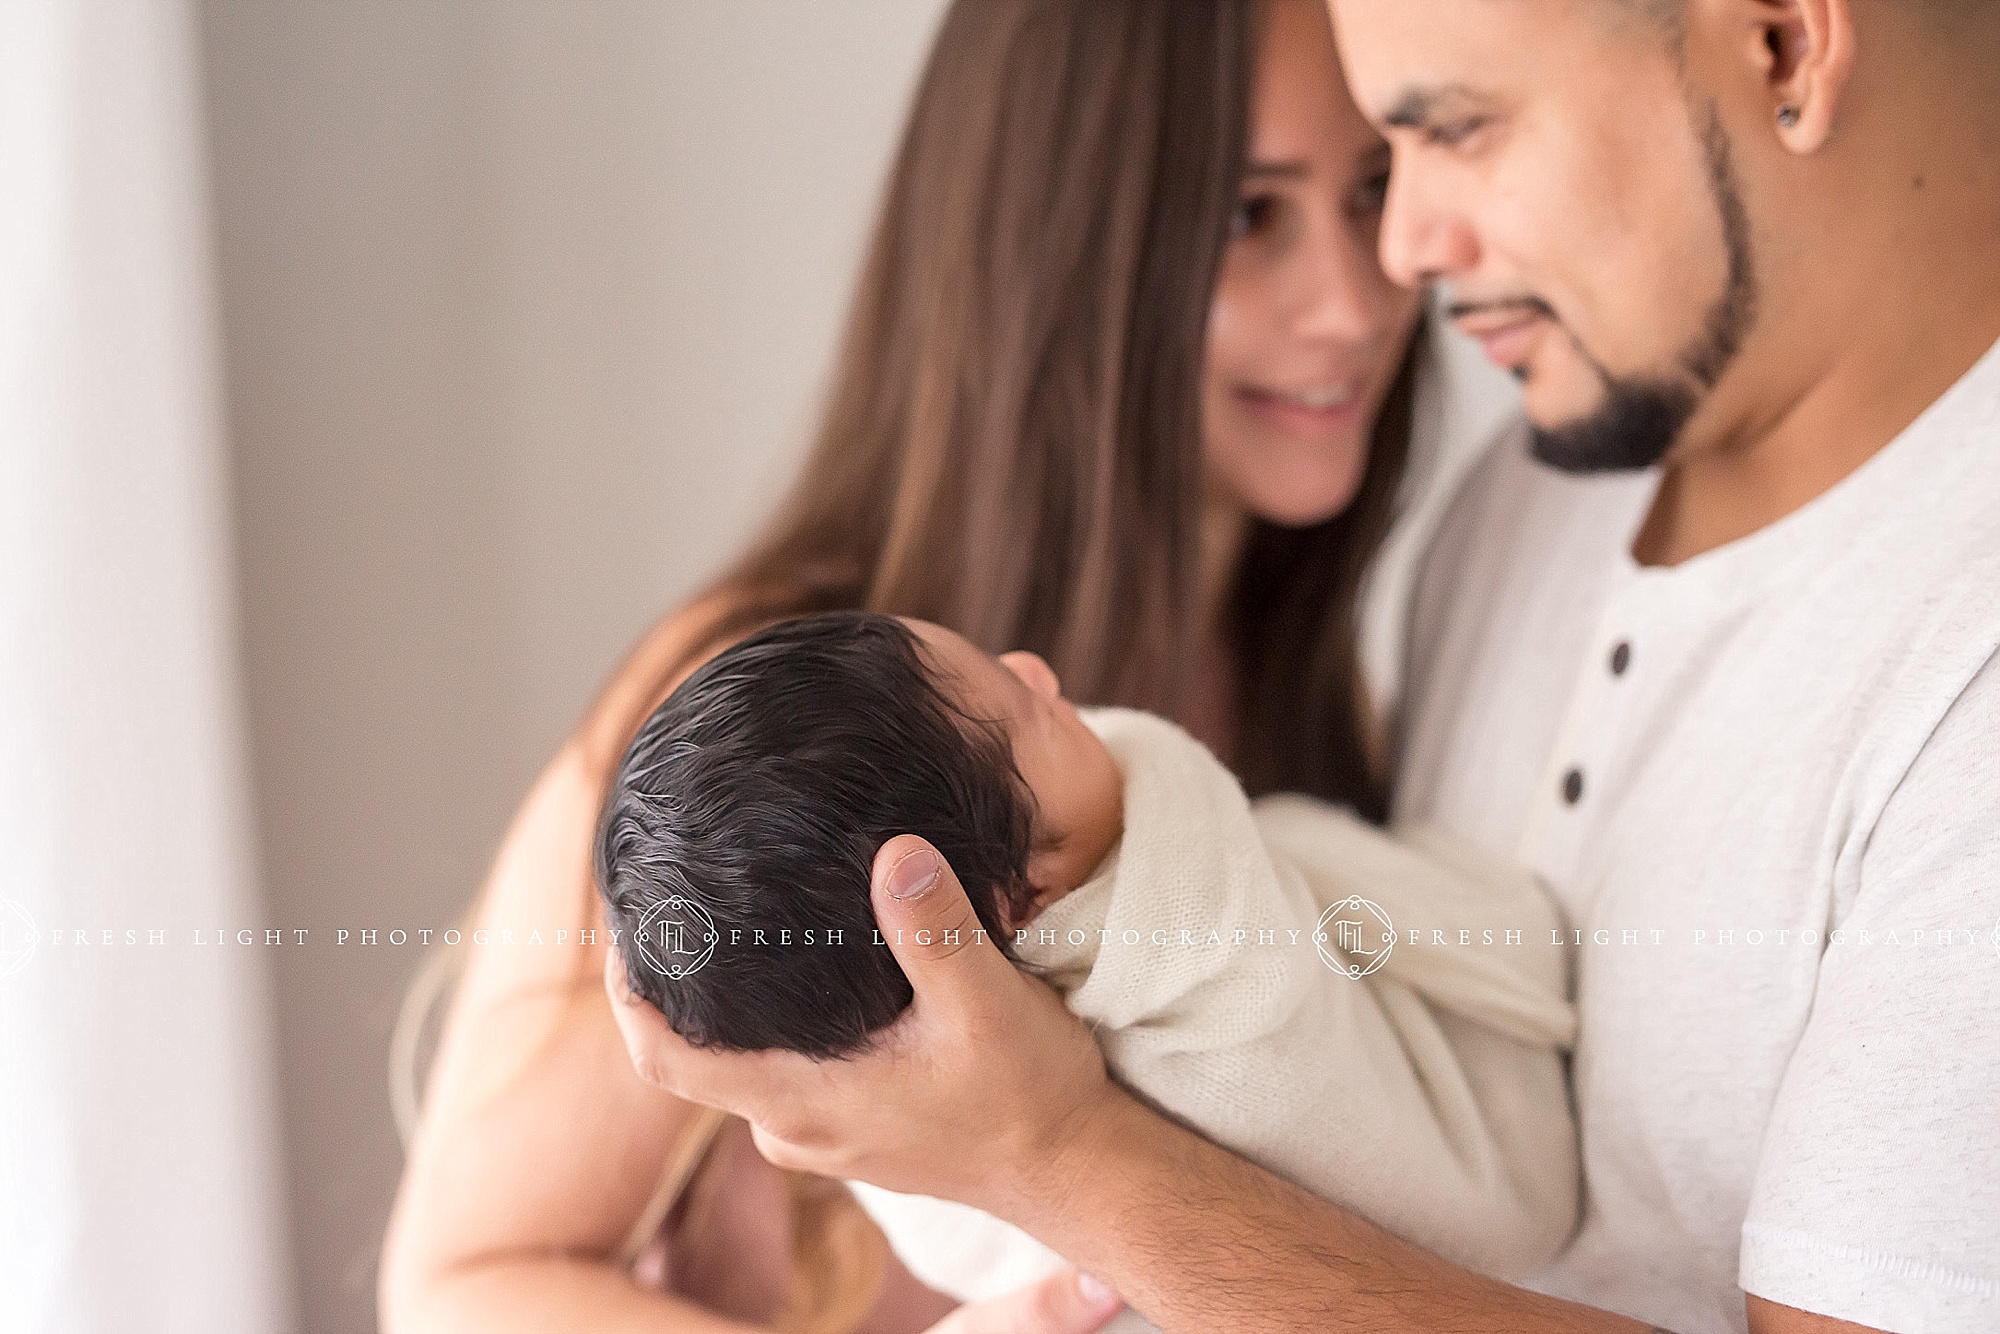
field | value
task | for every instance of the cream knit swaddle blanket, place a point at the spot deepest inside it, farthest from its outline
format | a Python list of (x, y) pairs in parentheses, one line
[(1427, 1095)]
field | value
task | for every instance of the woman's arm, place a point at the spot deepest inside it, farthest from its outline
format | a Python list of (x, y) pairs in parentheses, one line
[(539, 1148)]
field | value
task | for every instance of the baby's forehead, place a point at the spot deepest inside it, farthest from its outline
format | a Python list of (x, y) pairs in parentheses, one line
[(973, 678), (948, 646)]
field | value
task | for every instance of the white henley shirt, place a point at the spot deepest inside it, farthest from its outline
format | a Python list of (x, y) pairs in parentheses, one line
[(1764, 784)]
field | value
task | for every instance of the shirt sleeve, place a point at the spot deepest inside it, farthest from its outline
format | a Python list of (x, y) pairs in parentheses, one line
[(1877, 1195)]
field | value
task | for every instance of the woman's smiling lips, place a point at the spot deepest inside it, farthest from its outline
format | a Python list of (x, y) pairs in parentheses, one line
[(1318, 413)]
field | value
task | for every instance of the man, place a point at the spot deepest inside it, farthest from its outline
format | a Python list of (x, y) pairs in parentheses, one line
[(1741, 710)]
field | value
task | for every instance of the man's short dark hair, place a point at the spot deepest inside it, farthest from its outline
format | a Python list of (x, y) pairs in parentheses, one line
[(738, 836)]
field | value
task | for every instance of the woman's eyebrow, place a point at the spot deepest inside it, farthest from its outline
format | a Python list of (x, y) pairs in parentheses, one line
[(1290, 169)]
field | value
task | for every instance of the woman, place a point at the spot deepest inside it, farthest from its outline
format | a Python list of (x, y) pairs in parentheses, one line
[(1122, 385)]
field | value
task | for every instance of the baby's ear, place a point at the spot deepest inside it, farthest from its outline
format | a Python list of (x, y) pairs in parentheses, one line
[(1037, 675), (1024, 901)]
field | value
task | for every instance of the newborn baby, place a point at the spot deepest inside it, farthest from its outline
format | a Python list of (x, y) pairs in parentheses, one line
[(762, 787), (1236, 962)]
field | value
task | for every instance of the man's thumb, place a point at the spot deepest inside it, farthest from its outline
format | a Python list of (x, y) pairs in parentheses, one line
[(924, 914)]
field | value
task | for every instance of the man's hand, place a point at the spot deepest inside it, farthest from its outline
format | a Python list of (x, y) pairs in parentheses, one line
[(970, 1095)]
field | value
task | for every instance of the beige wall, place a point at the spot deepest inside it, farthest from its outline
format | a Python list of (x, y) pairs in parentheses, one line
[(525, 310)]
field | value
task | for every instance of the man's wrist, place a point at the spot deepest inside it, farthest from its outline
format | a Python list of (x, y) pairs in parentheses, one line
[(1037, 1190)]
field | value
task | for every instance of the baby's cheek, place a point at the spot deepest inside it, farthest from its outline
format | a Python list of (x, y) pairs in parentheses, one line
[(1096, 801)]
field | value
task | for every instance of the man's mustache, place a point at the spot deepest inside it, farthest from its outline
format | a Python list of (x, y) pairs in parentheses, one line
[(1523, 305)]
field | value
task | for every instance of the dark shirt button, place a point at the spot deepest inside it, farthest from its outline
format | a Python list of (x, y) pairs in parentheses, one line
[(1573, 786), (1621, 657)]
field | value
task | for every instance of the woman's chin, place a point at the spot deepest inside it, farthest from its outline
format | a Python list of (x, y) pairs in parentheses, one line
[(1290, 483), (1302, 505)]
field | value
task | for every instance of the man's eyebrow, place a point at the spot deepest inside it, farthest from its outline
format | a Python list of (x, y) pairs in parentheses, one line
[(1418, 107)]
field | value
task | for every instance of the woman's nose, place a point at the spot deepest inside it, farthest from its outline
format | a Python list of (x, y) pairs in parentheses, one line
[(1344, 296)]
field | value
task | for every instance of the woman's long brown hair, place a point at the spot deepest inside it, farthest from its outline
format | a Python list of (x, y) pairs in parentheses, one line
[(1013, 443)]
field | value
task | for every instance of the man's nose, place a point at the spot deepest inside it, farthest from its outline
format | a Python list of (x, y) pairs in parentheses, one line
[(1424, 238)]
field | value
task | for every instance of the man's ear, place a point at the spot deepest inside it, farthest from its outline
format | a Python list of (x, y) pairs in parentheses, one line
[(1802, 52)]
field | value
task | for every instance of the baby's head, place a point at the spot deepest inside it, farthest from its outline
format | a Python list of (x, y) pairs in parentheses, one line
[(750, 806)]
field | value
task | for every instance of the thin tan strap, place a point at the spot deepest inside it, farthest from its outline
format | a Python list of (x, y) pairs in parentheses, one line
[(840, 1259), (680, 1168), (429, 991)]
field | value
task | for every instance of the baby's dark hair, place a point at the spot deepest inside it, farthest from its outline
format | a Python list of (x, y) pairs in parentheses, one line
[(736, 843)]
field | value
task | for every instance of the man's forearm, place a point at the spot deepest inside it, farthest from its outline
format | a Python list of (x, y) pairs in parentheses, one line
[(1199, 1239)]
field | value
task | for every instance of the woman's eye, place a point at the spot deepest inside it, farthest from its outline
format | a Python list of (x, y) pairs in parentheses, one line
[(1251, 215), (1371, 196)]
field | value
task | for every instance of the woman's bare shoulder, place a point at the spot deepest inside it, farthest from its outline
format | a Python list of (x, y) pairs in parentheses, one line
[(674, 647), (538, 889), (540, 880)]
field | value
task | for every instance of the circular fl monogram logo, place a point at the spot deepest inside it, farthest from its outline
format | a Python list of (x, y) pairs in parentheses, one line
[(676, 936), (1355, 936)]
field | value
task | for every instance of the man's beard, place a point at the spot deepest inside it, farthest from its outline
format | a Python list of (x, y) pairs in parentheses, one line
[(1643, 415)]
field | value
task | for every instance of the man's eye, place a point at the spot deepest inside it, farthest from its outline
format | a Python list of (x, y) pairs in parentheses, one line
[(1251, 215), (1451, 133)]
